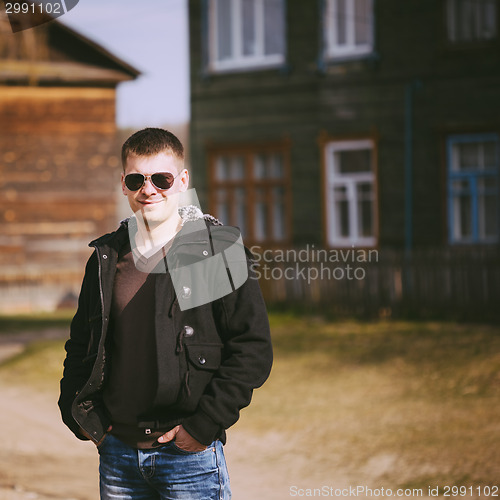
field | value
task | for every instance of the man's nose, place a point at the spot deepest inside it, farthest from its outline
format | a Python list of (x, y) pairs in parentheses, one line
[(148, 188)]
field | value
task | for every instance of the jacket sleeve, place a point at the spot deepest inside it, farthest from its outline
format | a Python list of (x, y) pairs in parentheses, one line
[(244, 327), (76, 371)]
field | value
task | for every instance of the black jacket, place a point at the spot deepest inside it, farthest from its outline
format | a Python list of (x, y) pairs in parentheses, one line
[(210, 357)]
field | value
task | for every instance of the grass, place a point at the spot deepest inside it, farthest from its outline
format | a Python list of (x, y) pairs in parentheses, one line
[(38, 321), (40, 363), (399, 404), (39, 366)]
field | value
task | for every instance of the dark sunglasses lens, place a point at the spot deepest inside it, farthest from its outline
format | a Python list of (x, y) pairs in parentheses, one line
[(163, 180), (134, 181)]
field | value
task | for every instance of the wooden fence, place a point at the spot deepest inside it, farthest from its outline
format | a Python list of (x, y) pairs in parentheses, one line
[(439, 283)]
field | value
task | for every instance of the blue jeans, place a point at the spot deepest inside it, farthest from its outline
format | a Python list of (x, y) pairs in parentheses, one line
[(164, 473)]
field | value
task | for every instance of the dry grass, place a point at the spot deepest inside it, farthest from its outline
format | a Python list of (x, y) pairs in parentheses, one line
[(23, 322), (39, 366)]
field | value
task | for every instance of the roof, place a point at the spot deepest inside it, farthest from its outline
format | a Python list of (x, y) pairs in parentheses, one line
[(33, 73), (55, 54)]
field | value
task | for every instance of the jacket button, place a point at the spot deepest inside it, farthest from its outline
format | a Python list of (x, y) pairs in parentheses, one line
[(104, 256), (186, 292), (202, 360), (205, 252), (188, 331)]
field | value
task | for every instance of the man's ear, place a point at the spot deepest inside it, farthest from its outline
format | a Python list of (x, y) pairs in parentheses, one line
[(124, 188), (184, 178)]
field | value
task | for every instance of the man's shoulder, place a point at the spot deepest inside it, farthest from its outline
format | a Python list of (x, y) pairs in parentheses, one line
[(110, 237)]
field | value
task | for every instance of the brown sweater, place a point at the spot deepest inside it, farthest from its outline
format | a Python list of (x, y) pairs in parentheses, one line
[(132, 382)]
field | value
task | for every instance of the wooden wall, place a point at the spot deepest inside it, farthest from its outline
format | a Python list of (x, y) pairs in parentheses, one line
[(59, 175)]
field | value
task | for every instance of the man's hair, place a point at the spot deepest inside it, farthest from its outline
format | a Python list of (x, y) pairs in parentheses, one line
[(150, 142)]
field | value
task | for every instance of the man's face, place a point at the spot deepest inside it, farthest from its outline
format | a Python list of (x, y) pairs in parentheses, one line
[(155, 205)]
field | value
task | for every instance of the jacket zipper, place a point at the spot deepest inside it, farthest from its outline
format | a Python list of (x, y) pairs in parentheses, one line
[(99, 275), (99, 267)]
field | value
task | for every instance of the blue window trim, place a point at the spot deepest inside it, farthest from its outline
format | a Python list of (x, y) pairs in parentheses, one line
[(471, 177)]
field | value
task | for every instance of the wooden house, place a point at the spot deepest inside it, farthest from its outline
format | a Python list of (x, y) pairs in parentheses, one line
[(348, 122), (59, 159), (368, 124)]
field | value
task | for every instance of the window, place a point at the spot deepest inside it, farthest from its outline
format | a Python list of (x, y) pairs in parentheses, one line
[(246, 33), (473, 188), (350, 193), (249, 190), (470, 20), (349, 28)]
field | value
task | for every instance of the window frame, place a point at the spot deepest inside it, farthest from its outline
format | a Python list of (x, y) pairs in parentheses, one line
[(332, 50), (330, 147), (451, 27), (471, 177), (240, 62), (249, 183)]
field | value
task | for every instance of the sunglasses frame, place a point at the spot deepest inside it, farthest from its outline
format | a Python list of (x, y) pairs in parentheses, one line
[(150, 177)]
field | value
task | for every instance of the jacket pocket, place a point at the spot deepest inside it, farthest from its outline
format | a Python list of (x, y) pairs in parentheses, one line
[(203, 360)]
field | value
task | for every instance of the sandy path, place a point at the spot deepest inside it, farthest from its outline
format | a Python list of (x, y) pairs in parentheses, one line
[(40, 458)]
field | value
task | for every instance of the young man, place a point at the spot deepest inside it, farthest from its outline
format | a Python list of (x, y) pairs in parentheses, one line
[(168, 341)]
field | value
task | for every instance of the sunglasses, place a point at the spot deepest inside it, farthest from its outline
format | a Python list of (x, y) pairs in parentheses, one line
[(160, 180)]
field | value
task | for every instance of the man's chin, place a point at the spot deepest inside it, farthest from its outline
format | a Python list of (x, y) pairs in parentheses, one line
[(154, 213)]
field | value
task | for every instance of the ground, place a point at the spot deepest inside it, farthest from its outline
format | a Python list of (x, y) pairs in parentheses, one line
[(380, 405), (41, 460)]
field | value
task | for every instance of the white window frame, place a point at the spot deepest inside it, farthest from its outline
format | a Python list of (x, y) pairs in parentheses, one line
[(349, 49), (350, 181), (238, 59), (479, 33)]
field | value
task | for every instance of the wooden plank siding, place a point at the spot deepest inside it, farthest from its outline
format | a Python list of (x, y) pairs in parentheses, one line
[(34, 110)]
